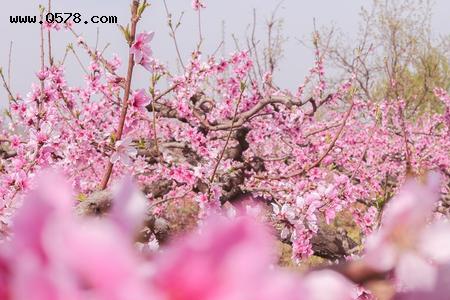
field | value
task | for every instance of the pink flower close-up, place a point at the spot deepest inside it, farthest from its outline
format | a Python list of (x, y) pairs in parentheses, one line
[(140, 99), (407, 241), (141, 47), (124, 151)]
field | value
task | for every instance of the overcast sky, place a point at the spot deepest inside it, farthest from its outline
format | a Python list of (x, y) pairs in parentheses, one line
[(236, 14)]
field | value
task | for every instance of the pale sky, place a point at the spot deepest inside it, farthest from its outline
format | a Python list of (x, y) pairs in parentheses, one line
[(298, 18)]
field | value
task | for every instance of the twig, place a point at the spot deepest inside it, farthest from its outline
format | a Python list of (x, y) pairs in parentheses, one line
[(41, 98), (7, 88), (405, 139), (200, 36), (365, 150), (9, 63), (152, 90), (254, 44), (173, 32), (96, 39), (161, 201), (322, 157), (211, 180), (79, 60), (65, 55), (50, 58), (123, 114), (321, 130)]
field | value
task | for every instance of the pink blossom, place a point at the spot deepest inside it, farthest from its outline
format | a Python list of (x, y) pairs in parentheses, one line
[(116, 62), (406, 242), (124, 152), (42, 74), (53, 25), (68, 25), (301, 245), (39, 137), (146, 63), (15, 141), (21, 180), (141, 48), (140, 100), (198, 4)]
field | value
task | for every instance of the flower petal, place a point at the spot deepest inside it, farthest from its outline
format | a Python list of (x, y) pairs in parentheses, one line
[(435, 242), (414, 273)]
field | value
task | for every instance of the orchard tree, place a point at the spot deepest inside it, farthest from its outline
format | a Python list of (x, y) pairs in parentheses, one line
[(395, 54)]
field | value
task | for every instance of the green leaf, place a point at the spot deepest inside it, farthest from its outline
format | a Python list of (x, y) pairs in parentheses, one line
[(243, 86), (142, 8), (81, 197), (113, 138), (126, 32)]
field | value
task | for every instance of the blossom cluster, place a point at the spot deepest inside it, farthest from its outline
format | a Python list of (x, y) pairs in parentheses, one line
[(311, 158)]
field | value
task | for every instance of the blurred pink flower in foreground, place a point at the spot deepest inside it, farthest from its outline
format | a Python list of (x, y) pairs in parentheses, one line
[(407, 242), (53, 254), (236, 259)]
